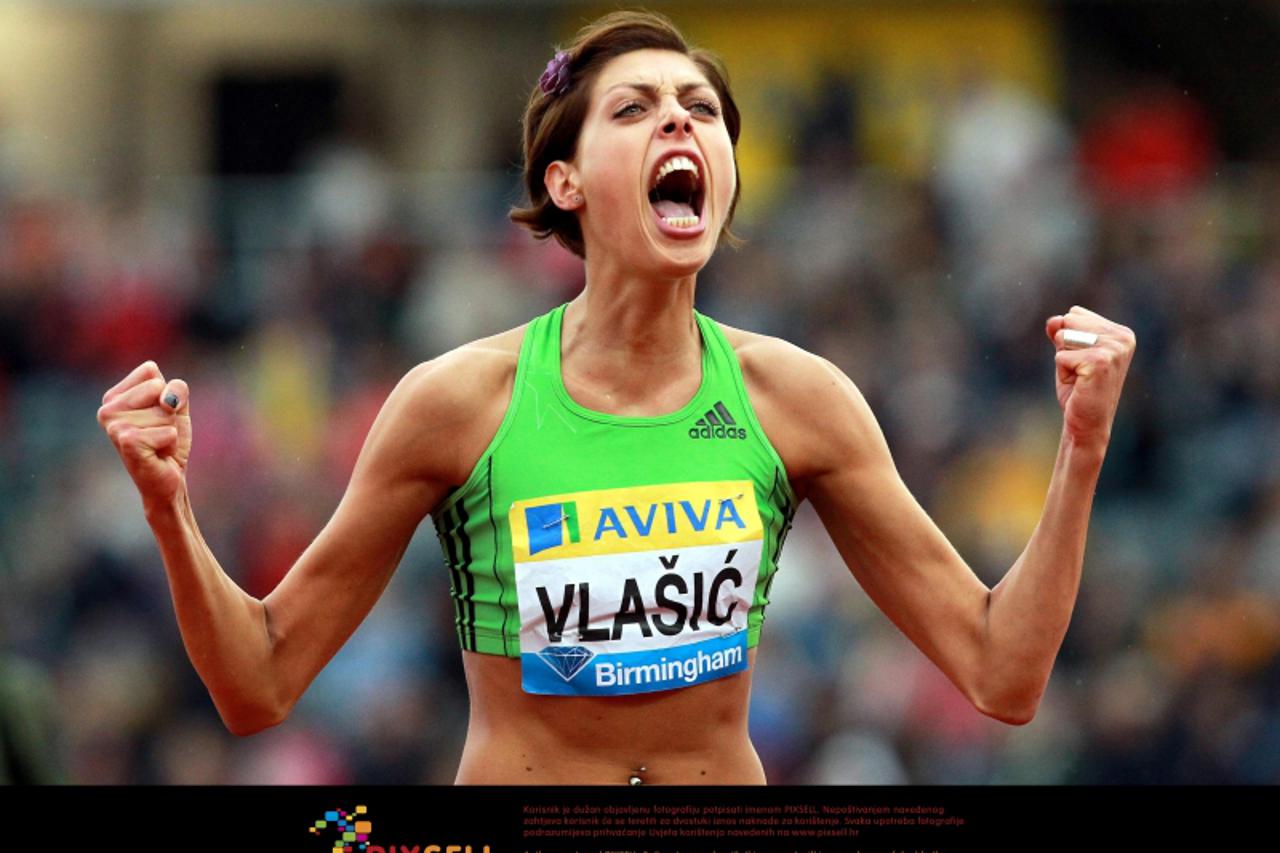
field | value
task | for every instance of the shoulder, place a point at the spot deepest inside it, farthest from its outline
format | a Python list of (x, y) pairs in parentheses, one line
[(488, 361), (776, 363), (464, 377), (449, 407), (812, 412)]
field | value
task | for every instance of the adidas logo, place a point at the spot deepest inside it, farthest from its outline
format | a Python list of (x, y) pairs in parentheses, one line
[(717, 423)]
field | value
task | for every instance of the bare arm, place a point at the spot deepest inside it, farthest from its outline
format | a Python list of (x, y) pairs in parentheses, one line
[(890, 545), (997, 646), (1029, 609), (223, 627), (258, 657), (1031, 606)]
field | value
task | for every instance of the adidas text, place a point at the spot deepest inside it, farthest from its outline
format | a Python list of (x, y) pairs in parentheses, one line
[(717, 423), (720, 431)]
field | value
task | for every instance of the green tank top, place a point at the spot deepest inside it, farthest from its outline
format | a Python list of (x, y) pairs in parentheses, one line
[(617, 554)]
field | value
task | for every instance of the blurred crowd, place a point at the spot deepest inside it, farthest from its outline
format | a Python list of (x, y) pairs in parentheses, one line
[(292, 306)]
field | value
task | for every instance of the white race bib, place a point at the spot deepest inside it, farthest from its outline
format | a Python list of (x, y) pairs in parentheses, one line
[(637, 589)]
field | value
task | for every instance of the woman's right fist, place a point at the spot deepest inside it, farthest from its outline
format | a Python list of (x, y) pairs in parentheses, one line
[(149, 422)]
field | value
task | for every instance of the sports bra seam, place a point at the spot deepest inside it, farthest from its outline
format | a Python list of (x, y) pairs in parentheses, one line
[(468, 561), (493, 634), (502, 587), (459, 561)]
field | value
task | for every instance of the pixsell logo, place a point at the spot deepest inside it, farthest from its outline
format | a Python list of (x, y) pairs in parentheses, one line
[(350, 834)]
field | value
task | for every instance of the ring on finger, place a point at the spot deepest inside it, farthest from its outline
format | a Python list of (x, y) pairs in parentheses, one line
[(1076, 339)]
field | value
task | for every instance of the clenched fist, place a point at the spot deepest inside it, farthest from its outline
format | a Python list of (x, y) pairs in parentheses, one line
[(149, 422), (1089, 379)]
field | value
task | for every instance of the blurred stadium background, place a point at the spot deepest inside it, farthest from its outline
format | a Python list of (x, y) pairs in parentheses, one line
[(290, 204)]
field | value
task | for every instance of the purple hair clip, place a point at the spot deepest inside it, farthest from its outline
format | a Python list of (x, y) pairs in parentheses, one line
[(555, 80)]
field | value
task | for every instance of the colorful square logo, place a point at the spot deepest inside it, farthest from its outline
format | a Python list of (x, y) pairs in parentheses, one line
[(548, 524)]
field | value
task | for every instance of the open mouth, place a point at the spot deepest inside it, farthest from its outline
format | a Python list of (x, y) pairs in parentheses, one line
[(676, 192)]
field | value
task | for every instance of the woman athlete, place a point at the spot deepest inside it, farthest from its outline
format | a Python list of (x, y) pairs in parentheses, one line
[(612, 481)]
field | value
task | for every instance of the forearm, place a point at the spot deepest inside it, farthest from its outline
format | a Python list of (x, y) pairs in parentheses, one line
[(223, 628), (1030, 608)]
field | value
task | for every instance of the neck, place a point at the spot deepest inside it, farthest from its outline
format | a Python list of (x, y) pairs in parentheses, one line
[(621, 319)]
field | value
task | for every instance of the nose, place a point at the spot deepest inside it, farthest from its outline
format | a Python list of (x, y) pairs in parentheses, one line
[(678, 122)]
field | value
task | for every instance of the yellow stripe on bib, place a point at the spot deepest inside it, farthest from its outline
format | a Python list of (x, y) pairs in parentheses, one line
[(638, 518)]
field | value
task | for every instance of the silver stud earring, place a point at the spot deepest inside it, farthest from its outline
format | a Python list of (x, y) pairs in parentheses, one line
[(577, 198)]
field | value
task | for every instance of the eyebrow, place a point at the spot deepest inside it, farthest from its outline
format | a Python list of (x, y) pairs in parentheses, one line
[(652, 90)]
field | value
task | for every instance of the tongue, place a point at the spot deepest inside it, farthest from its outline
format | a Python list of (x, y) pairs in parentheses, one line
[(668, 209)]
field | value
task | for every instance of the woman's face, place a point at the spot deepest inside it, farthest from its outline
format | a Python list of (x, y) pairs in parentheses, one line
[(654, 165)]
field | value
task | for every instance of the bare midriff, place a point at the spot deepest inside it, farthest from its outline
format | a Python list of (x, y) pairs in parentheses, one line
[(690, 736)]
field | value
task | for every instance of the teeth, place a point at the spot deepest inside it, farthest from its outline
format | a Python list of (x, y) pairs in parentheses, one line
[(681, 221), (677, 162)]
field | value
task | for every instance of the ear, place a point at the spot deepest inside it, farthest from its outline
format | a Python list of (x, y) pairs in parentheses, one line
[(561, 181)]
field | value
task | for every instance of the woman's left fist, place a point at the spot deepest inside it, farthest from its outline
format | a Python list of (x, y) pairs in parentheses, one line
[(1089, 379)]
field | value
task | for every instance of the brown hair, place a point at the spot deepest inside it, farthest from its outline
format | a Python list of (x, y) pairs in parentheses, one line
[(552, 122)]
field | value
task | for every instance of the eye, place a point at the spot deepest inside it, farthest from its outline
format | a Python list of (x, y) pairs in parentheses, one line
[(707, 107), (629, 109)]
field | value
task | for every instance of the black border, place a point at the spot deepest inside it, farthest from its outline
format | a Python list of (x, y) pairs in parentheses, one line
[(277, 818)]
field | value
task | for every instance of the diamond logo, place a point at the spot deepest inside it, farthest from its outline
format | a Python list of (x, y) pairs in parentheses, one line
[(567, 661)]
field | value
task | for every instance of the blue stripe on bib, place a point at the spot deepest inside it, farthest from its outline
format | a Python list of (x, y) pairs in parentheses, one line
[(576, 671)]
